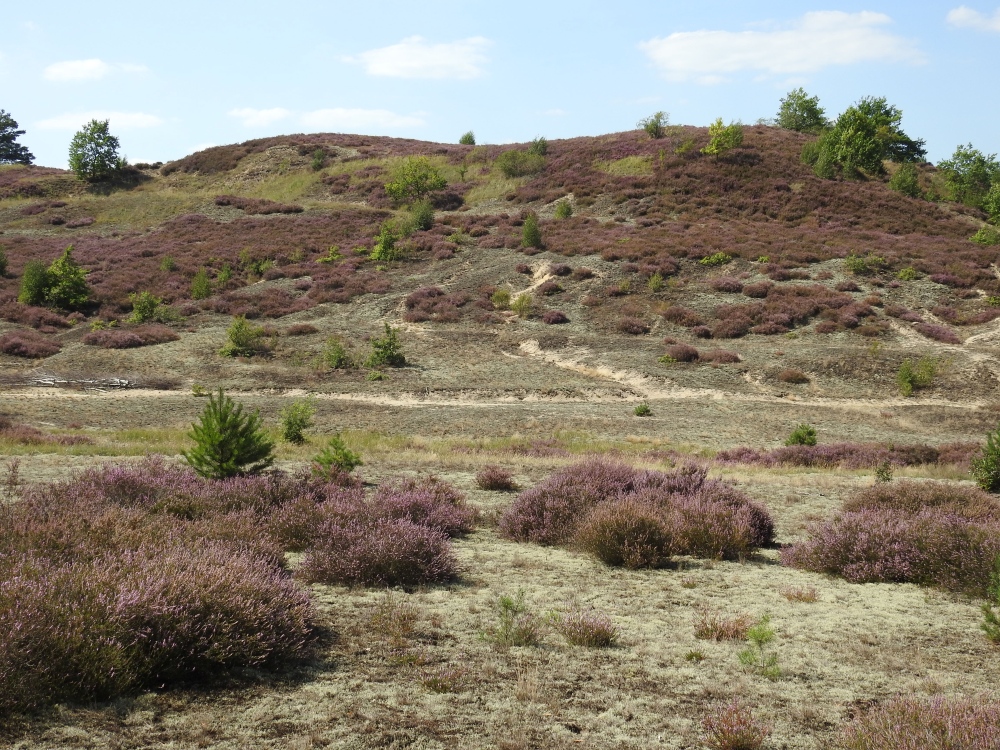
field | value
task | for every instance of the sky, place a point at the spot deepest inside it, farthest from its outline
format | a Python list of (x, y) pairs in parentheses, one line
[(177, 77)]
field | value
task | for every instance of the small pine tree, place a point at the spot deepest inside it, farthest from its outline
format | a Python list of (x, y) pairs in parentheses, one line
[(201, 285), (531, 235), (991, 619), (296, 418), (385, 249), (986, 467), (563, 209), (804, 434), (335, 458), (386, 350), (228, 442), (468, 139), (335, 355)]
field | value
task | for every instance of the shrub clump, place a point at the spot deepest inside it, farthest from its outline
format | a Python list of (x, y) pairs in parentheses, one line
[(638, 518), (495, 478), (28, 344), (793, 376), (633, 326), (682, 353), (726, 284), (906, 723), (585, 627), (130, 338), (804, 434), (986, 466), (554, 317), (734, 727), (897, 533)]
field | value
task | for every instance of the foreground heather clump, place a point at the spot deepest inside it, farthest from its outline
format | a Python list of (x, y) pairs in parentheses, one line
[(625, 516), (904, 533), (927, 724)]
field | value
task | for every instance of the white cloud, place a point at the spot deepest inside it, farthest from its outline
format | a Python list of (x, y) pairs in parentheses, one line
[(358, 120), (415, 57), (259, 117), (815, 41), (86, 70), (119, 120), (964, 18)]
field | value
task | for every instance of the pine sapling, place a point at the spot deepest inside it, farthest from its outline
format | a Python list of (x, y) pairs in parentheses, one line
[(228, 442)]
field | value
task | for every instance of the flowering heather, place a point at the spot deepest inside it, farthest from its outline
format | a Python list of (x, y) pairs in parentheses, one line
[(931, 548), (937, 332), (91, 629), (937, 723), (719, 357), (734, 727), (682, 316), (849, 455), (257, 205), (28, 344), (758, 290), (427, 502), (586, 627), (726, 284), (386, 552), (633, 326), (682, 353), (554, 317), (907, 497), (129, 338), (638, 518)]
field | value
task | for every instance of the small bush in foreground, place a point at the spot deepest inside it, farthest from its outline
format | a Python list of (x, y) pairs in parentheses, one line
[(336, 458), (384, 552), (227, 441), (986, 466), (585, 627), (921, 724), (296, 418), (804, 434), (734, 727), (28, 344), (516, 626), (495, 478)]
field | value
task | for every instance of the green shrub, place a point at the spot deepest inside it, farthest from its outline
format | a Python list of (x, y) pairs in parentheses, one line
[(987, 235), (716, 259), (516, 626), (655, 282), (201, 285), (906, 181), (66, 283), (385, 248), (516, 163), (335, 458), (991, 203), (335, 356), (723, 138), (3, 261), (757, 657), (642, 410), (531, 235), (168, 264), (296, 418), (422, 215), (800, 112), (34, 283), (144, 307), (539, 147), (804, 434), (468, 139), (228, 442), (225, 274), (563, 209), (862, 266), (986, 466), (386, 350), (318, 160), (913, 376), (522, 305), (501, 299), (907, 274), (413, 179), (655, 125), (245, 339)]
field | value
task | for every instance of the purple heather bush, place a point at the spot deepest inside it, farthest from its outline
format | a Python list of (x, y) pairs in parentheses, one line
[(626, 516), (28, 344), (427, 502), (495, 478), (726, 284), (849, 455), (937, 332), (906, 723), (734, 727), (554, 317), (938, 535)]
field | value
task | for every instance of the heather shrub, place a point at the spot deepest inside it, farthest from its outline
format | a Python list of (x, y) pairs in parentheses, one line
[(682, 353), (227, 441), (626, 533), (296, 418), (986, 466), (122, 338), (937, 332), (92, 629), (910, 498), (802, 435), (732, 328), (28, 344), (585, 627), (384, 552), (929, 548), (633, 326), (495, 478), (713, 625), (734, 727), (793, 376), (726, 284), (427, 502), (719, 357), (301, 329), (758, 290), (682, 316), (908, 723), (554, 317)]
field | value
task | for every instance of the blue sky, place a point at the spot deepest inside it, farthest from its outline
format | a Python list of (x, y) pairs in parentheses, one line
[(179, 76)]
